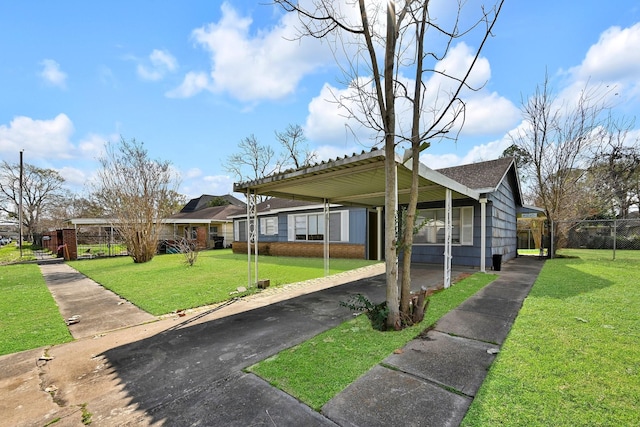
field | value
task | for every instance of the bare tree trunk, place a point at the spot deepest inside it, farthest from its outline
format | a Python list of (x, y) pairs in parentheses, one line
[(391, 173)]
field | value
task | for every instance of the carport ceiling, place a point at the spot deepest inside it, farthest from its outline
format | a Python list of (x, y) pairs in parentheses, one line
[(357, 180)]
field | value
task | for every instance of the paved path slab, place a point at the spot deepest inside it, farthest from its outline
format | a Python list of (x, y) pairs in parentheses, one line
[(432, 381), (98, 309)]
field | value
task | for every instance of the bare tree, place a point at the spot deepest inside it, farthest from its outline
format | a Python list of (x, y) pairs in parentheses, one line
[(412, 41), (41, 190), (296, 152), (137, 193), (560, 139), (189, 249), (616, 168), (253, 160)]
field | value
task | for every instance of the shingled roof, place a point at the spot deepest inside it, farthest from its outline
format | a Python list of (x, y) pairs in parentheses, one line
[(482, 175), (203, 201), (214, 213)]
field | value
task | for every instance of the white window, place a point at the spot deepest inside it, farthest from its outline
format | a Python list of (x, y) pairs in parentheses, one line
[(269, 226), (312, 227), (431, 226), (240, 231)]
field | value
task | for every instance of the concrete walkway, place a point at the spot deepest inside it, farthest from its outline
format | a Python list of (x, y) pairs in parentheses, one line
[(95, 309), (189, 370), (434, 379)]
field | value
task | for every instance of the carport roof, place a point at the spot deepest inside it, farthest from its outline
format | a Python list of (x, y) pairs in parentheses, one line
[(358, 180)]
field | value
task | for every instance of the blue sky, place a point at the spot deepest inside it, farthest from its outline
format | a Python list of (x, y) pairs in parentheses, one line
[(192, 79)]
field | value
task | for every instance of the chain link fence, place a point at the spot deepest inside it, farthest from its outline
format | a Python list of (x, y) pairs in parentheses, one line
[(612, 234), (99, 243)]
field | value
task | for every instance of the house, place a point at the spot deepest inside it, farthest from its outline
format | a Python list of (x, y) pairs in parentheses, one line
[(499, 187), (483, 199), (205, 219), (289, 227)]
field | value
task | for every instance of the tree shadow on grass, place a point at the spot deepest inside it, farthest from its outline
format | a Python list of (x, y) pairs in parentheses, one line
[(565, 279)]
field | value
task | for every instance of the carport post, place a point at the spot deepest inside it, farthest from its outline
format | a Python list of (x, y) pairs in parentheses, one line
[(447, 238), (252, 235), (326, 237)]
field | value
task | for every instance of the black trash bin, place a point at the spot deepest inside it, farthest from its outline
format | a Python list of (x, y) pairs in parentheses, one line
[(497, 262)]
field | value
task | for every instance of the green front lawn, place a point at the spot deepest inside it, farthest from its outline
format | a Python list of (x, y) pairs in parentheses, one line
[(11, 253), (320, 368), (166, 284), (29, 317), (572, 357)]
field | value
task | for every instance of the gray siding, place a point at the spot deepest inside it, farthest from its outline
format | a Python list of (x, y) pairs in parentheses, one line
[(357, 225), (503, 232), (462, 254)]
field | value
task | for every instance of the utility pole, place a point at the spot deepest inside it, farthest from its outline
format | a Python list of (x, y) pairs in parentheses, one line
[(20, 207)]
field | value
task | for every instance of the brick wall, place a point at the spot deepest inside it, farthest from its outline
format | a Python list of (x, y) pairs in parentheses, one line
[(303, 249), (59, 238), (69, 239)]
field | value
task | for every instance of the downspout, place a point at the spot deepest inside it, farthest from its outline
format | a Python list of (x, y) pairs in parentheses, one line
[(483, 234)]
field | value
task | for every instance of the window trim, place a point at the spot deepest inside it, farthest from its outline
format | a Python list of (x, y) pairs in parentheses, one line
[(269, 222), (344, 226), (465, 229)]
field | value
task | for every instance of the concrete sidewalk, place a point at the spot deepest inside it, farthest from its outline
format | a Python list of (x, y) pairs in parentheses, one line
[(435, 378), (97, 309), (189, 370)]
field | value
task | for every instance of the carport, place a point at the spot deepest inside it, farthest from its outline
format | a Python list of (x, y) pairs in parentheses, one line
[(357, 180)]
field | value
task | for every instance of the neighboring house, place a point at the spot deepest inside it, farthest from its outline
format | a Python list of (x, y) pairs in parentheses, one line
[(208, 225), (352, 190)]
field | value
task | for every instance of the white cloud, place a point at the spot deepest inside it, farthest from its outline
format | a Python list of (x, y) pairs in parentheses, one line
[(74, 176), (616, 56), (193, 173), (39, 138), (192, 84), (456, 64), (93, 145), (479, 153), (211, 184), (614, 61), (327, 122), (251, 66), (52, 74), (487, 113), (160, 63)]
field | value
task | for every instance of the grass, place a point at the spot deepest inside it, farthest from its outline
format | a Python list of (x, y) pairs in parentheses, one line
[(29, 317), (571, 358), (102, 249), (166, 284), (11, 253), (318, 369)]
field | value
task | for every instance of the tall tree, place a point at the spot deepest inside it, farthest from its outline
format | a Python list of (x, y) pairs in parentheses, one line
[(252, 161), (413, 43), (138, 193), (560, 138), (295, 151), (616, 168), (41, 189), (255, 160)]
